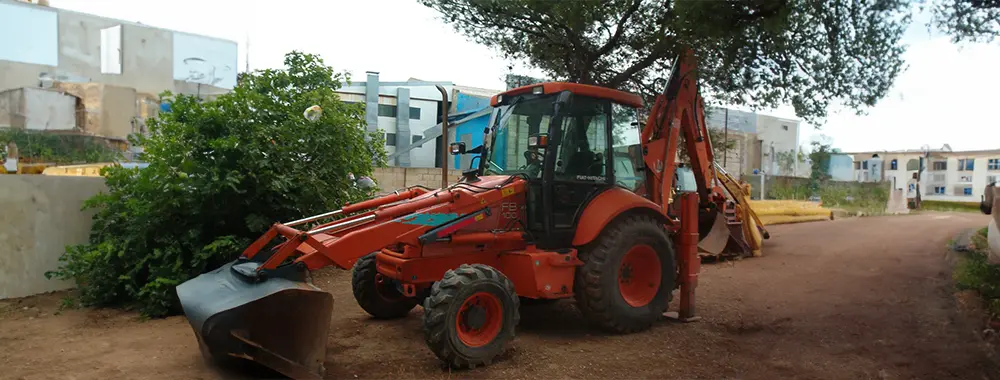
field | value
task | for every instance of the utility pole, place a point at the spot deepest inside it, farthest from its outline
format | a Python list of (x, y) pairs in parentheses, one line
[(725, 139), (248, 53)]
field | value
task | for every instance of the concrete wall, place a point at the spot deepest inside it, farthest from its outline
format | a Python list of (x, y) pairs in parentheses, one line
[(47, 110), (41, 216), (783, 136), (393, 178), (37, 109), (10, 109)]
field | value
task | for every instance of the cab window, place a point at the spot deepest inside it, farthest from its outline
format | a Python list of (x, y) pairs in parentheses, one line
[(625, 146), (583, 150)]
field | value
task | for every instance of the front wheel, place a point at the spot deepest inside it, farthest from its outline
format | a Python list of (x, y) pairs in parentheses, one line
[(378, 295), (628, 275), (470, 316)]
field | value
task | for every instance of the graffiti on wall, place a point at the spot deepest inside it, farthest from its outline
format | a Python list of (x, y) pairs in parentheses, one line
[(205, 60)]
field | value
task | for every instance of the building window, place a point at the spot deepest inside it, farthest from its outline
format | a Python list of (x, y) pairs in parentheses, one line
[(992, 178), (893, 165), (938, 189), (864, 165), (993, 164), (111, 50), (416, 138), (965, 178), (938, 178), (390, 138), (941, 165), (966, 164), (857, 165), (967, 190), (386, 110)]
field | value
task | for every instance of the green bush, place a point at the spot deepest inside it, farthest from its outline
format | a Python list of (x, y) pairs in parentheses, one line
[(41, 146), (975, 272), (855, 196), (220, 173), (950, 206)]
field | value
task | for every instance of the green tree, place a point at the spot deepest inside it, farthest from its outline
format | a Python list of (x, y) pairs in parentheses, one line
[(820, 165), (965, 20), (758, 53), (220, 172), (787, 160)]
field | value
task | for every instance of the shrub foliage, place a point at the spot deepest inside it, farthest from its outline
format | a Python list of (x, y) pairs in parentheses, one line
[(220, 173)]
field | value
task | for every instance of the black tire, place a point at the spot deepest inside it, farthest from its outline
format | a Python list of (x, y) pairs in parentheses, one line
[(381, 300), (598, 295), (442, 312)]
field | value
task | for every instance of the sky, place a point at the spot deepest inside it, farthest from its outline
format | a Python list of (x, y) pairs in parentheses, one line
[(947, 95)]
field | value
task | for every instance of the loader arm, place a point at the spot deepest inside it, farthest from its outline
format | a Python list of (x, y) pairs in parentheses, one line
[(404, 219)]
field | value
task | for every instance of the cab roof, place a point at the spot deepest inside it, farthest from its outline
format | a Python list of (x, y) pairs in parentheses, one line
[(622, 97)]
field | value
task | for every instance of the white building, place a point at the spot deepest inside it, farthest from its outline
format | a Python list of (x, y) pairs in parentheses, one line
[(761, 142), (385, 101), (944, 174), (420, 122)]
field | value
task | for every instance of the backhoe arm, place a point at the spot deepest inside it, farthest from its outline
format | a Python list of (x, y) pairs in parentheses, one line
[(679, 110)]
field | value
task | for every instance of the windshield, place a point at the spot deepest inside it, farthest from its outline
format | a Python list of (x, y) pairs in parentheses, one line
[(508, 148)]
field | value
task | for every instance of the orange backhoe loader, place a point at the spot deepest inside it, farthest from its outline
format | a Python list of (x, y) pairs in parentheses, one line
[(569, 198)]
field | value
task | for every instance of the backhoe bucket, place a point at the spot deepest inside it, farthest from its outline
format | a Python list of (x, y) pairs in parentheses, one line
[(717, 237), (279, 323)]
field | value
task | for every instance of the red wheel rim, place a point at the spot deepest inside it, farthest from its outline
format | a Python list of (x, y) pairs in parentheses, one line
[(639, 275), (479, 319)]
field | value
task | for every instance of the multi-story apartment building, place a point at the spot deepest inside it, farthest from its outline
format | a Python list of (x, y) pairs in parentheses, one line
[(943, 174)]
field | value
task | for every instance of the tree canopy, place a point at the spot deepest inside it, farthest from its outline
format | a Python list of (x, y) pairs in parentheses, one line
[(220, 173), (756, 53)]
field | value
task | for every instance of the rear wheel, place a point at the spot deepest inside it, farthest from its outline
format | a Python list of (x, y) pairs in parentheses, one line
[(628, 276), (470, 316), (376, 294)]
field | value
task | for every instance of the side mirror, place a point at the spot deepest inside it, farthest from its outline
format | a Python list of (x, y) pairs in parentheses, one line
[(457, 148), (538, 141)]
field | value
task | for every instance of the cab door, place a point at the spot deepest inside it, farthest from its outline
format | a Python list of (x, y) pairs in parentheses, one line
[(576, 168)]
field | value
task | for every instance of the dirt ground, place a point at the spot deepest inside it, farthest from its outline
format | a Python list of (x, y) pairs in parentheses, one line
[(867, 298)]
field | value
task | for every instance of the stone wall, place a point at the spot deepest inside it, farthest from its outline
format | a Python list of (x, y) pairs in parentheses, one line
[(394, 178)]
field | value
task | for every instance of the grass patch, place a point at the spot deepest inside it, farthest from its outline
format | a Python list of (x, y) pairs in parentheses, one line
[(868, 198), (976, 273), (950, 206)]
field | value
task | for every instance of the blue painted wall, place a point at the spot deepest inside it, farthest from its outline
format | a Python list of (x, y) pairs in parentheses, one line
[(469, 103)]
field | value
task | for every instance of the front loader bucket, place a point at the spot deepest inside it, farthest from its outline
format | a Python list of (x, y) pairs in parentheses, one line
[(278, 323)]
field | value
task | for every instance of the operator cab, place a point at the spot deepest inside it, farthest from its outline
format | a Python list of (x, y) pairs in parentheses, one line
[(570, 142)]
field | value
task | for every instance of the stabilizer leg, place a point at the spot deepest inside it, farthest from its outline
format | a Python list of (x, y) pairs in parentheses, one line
[(689, 263)]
